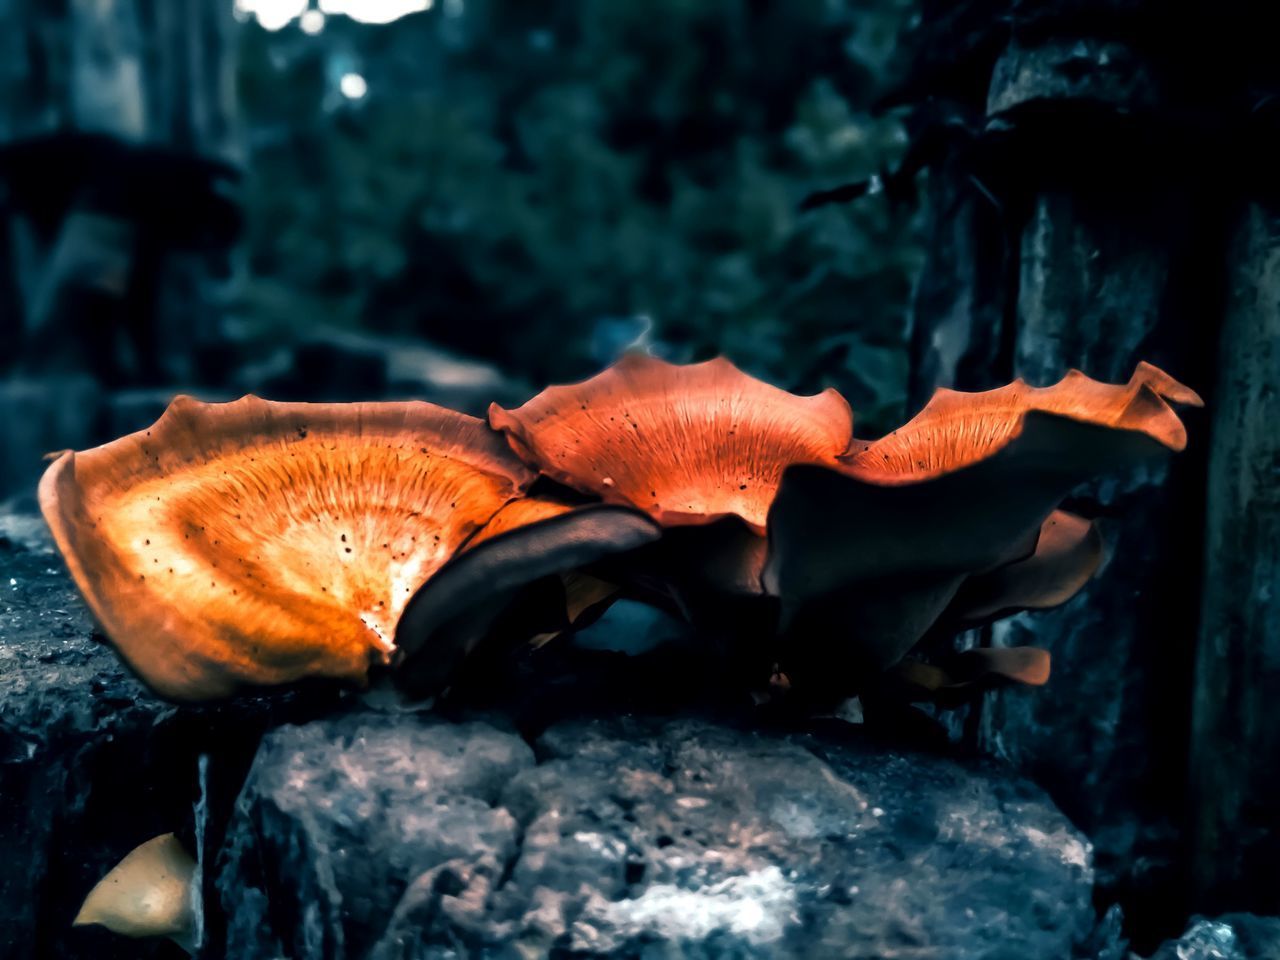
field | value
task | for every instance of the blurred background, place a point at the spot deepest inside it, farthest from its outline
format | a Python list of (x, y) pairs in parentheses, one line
[(455, 200)]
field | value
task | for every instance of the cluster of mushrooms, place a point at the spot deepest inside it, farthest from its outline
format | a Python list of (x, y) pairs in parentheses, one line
[(250, 544)]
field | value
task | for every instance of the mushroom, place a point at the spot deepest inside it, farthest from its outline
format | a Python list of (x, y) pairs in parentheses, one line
[(255, 543), (150, 893), (964, 674), (1068, 553), (530, 557), (880, 545), (688, 445), (700, 448)]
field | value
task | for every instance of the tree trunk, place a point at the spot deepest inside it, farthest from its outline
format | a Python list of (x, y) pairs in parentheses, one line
[(1235, 736), (1108, 734), (1101, 246)]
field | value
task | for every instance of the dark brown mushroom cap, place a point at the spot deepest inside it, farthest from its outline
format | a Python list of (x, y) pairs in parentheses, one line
[(448, 619), (685, 444), (726, 557), (963, 675), (1067, 554), (961, 489), (256, 543)]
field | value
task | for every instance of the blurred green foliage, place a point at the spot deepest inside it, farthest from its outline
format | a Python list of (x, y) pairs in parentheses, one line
[(536, 183)]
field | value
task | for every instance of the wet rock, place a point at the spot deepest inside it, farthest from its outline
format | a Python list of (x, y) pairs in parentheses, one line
[(1232, 936), (396, 836), (406, 837)]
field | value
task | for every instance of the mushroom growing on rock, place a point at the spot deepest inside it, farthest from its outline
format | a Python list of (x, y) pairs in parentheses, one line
[(256, 543), (700, 448), (877, 547)]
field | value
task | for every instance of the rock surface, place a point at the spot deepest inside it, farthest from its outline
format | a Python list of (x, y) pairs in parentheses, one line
[(397, 837), (91, 764), (66, 704)]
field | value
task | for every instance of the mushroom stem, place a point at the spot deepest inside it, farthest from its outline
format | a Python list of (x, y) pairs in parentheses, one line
[(150, 893)]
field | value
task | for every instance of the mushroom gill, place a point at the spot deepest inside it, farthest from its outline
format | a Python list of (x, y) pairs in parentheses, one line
[(685, 444), (255, 543), (961, 490)]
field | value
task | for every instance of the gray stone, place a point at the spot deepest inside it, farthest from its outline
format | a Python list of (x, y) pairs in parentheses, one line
[(395, 836), (345, 825), (1232, 936), (398, 837)]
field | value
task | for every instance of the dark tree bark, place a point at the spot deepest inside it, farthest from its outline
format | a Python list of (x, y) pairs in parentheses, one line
[(1236, 735), (1108, 734), (965, 289)]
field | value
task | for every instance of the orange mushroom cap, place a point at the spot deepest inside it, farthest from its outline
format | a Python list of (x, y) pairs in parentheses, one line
[(685, 444), (519, 513), (961, 489), (256, 543), (967, 480), (958, 429)]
